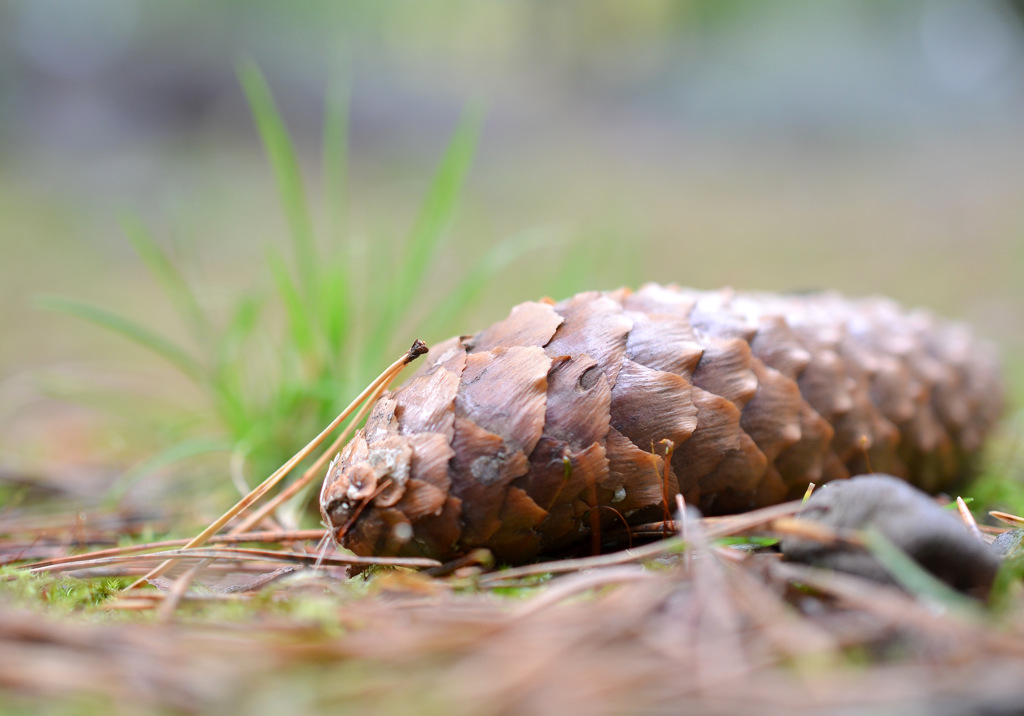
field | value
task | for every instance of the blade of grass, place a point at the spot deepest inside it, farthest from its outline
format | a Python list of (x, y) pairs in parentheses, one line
[(437, 209), (127, 328), (335, 286), (1007, 583), (336, 315), (299, 324), (912, 577), (166, 457), (281, 152), (232, 364), (170, 278), (496, 260), (335, 160)]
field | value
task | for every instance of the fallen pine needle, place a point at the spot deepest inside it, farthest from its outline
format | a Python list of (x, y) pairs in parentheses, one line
[(816, 531), (1008, 518), (968, 518), (314, 470), (719, 527), (268, 536), (418, 348), (266, 555)]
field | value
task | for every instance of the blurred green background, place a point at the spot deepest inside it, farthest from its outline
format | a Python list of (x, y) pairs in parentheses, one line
[(869, 147)]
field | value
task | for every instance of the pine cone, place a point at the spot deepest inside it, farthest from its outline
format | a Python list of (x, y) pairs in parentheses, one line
[(499, 440)]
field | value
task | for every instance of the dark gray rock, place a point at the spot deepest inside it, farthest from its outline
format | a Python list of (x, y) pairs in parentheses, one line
[(1010, 544), (934, 537)]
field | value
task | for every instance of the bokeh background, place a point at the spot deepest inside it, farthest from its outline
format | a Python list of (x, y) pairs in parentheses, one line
[(869, 147)]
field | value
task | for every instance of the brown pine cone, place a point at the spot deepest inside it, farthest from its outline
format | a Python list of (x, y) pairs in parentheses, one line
[(500, 438)]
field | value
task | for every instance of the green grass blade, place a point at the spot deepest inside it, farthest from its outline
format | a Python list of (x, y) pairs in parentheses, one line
[(336, 312), (334, 295), (281, 151), (912, 576), (127, 328), (244, 322), (496, 260), (1008, 583), (175, 453), (300, 327), (606, 255), (437, 210), (335, 160), (170, 278), (233, 363)]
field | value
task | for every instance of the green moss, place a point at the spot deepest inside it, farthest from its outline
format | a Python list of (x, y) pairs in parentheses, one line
[(57, 593)]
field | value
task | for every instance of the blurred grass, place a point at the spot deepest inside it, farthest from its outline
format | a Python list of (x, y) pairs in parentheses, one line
[(601, 134), (282, 364)]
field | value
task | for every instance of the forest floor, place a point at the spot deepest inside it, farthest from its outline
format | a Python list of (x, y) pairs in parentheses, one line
[(709, 620)]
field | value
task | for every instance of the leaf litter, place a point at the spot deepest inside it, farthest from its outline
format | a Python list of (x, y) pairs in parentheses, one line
[(671, 626)]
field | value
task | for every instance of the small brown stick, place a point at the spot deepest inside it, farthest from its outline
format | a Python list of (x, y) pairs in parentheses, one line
[(418, 348), (968, 518)]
